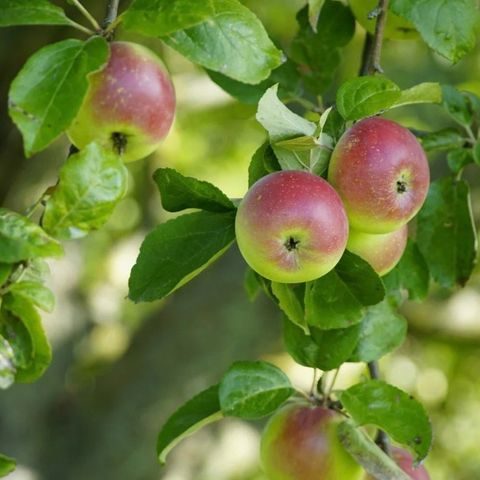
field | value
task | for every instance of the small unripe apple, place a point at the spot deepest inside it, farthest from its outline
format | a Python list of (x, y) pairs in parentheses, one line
[(129, 106), (405, 461), (300, 442), (291, 227), (381, 250), (396, 28), (381, 173)]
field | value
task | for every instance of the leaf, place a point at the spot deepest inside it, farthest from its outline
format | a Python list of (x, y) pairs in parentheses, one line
[(157, 18), (251, 284), (179, 192), (445, 139), (257, 168), (178, 250), (40, 351), (324, 349), (21, 239), (457, 105), (92, 182), (366, 96), (428, 92), (459, 158), (31, 12), (411, 273), (36, 293), (253, 389), (7, 365), (360, 277), (314, 9), (233, 42), (5, 271), (382, 330), (290, 303), (318, 50), (368, 454), (377, 403), (46, 95), (7, 465), (446, 234), (448, 26), (199, 411), (282, 124)]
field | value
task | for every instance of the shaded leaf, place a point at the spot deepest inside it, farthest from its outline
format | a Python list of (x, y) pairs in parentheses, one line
[(445, 139), (457, 105), (7, 465), (290, 303), (251, 284), (459, 158)]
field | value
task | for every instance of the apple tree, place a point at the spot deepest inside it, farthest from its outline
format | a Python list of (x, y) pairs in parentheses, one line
[(341, 223)]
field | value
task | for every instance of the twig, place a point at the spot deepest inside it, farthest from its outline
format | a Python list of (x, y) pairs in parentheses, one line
[(112, 12), (87, 14), (81, 28)]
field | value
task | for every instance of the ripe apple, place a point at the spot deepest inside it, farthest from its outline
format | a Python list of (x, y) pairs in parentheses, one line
[(129, 105), (300, 443), (405, 461), (381, 250), (291, 227), (396, 28), (381, 173)]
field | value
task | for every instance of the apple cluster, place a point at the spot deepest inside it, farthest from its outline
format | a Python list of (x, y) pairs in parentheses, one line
[(293, 226), (129, 106)]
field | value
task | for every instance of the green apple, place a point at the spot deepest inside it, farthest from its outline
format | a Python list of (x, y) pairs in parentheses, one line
[(396, 28), (129, 106), (381, 173), (291, 227), (381, 250), (300, 442)]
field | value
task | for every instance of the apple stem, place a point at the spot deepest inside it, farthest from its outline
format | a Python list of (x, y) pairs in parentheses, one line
[(87, 15), (373, 43)]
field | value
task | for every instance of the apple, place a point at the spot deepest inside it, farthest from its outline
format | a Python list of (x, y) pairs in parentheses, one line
[(405, 461), (129, 106), (300, 443), (291, 227), (396, 27), (381, 250), (381, 173)]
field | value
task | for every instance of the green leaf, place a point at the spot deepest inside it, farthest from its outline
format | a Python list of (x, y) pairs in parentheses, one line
[(179, 192), (233, 42), (91, 184), (45, 96), (157, 18), (36, 293), (459, 158), (31, 12), (448, 26), (457, 105), (290, 303), (178, 250), (201, 410), (382, 330), (360, 277), (324, 349), (318, 50), (445, 139), (282, 124), (428, 92), (376, 403), (251, 284), (7, 364), (5, 271), (314, 9), (366, 96), (253, 389), (368, 454), (40, 351), (7, 465), (446, 234), (257, 168), (21, 239), (411, 273), (17, 336)]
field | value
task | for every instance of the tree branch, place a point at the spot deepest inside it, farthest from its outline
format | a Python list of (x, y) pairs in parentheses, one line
[(112, 12)]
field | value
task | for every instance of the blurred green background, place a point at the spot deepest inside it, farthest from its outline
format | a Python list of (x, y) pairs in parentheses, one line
[(120, 369)]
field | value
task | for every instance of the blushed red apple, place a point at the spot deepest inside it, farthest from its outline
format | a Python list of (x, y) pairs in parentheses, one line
[(130, 104), (405, 461), (381, 250), (381, 173), (291, 227), (300, 442)]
